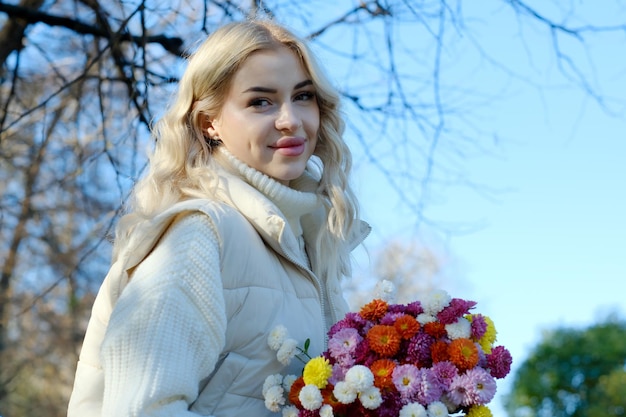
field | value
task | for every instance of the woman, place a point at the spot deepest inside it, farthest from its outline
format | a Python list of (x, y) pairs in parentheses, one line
[(245, 221)]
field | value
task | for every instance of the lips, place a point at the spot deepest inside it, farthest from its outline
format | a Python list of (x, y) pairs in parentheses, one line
[(289, 146)]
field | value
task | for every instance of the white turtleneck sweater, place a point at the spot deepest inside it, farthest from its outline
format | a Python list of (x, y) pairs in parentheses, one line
[(156, 348)]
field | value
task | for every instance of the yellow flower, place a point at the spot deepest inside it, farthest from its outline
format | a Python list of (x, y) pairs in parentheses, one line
[(479, 411), (317, 371), (489, 338)]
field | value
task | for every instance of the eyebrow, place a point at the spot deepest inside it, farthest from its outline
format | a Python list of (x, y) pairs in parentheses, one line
[(274, 91)]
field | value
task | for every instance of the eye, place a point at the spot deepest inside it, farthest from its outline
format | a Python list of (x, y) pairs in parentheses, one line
[(305, 96), (259, 103)]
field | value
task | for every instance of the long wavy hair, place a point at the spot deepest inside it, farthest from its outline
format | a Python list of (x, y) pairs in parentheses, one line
[(180, 164)]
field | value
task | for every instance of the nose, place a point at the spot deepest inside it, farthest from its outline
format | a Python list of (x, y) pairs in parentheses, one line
[(288, 118)]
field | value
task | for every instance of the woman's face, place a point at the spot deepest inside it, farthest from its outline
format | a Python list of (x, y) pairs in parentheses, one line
[(270, 116)]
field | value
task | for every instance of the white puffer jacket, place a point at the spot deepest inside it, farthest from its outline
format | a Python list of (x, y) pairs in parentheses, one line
[(210, 280)]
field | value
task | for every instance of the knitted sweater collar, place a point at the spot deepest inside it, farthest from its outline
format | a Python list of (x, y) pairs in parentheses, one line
[(292, 202)]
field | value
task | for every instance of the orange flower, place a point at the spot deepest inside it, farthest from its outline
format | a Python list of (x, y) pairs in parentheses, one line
[(435, 329), (382, 370), (439, 351), (374, 310), (407, 326), (463, 353), (384, 340), (294, 392)]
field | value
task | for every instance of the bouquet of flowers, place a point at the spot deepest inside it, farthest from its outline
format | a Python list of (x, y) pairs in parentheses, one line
[(427, 358)]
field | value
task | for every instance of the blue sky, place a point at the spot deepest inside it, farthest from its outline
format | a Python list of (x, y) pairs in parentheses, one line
[(548, 249)]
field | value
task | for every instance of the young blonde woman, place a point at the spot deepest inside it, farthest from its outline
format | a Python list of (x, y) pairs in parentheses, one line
[(244, 222)]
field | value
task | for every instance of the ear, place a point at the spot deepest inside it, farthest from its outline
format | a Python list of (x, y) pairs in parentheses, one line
[(208, 125)]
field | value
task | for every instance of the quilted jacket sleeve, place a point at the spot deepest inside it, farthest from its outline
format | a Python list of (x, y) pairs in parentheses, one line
[(168, 327)]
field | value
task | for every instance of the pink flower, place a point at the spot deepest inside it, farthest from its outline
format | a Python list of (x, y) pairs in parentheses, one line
[(415, 308), (456, 309), (344, 342), (499, 362), (475, 386), (406, 380)]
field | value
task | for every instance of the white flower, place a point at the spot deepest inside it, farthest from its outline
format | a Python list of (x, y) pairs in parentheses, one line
[(344, 393), (461, 329), (371, 398), (290, 411), (425, 318), (436, 301), (326, 411), (272, 381), (288, 381), (277, 337), (287, 351), (359, 377), (274, 398), (413, 410), (385, 290), (437, 409), (311, 397)]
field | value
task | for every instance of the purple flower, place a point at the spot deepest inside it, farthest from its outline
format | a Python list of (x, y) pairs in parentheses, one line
[(479, 326), (390, 318), (456, 309), (445, 372), (499, 362), (428, 389), (476, 386), (414, 308), (351, 320), (397, 308), (418, 351)]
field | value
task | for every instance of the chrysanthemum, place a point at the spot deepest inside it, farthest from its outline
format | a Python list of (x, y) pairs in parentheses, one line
[(359, 378), (445, 372), (385, 290), (428, 387), (294, 392), (290, 411), (326, 411), (276, 337), (436, 301), (463, 353), (499, 362), (479, 326), (271, 381), (435, 329), (418, 351), (439, 351), (455, 310), (287, 351), (310, 397), (488, 339), (413, 410), (406, 379), (384, 340), (383, 370), (288, 381), (406, 326), (437, 409), (317, 371), (480, 386), (479, 411), (274, 398), (374, 310), (459, 329), (344, 392), (424, 318), (370, 398), (344, 342), (351, 320), (414, 308)]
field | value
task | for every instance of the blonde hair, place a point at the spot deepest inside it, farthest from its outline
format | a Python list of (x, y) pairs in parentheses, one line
[(180, 165)]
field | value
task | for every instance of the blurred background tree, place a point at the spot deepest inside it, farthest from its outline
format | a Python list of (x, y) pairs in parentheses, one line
[(573, 372), (81, 81)]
